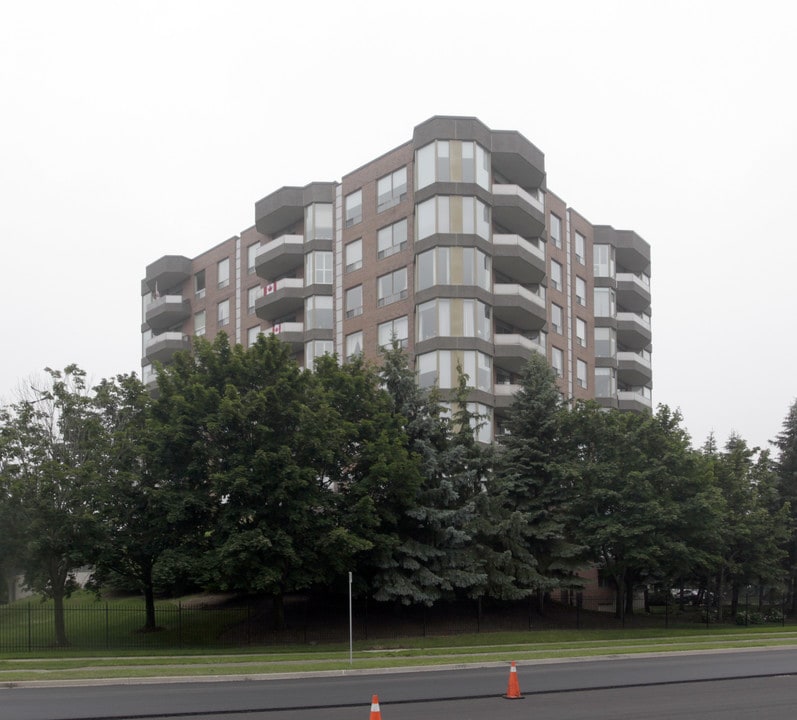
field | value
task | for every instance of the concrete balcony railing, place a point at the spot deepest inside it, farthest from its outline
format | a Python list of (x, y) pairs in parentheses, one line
[(279, 256), (167, 311), (507, 189), (290, 332), (281, 298), (162, 347), (518, 259), (632, 292), (519, 307), (638, 400)]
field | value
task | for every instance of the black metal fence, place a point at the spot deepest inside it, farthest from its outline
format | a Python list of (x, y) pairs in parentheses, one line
[(250, 622)]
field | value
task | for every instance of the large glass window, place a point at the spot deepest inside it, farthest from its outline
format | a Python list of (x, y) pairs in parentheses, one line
[(251, 253), (354, 301), (252, 334), (581, 248), (558, 361), (452, 161), (251, 297), (604, 302), (440, 368), (391, 287), (199, 284), (556, 230), (318, 224), (605, 342), (391, 239), (315, 349), (581, 332), (556, 318), (581, 291), (354, 255), (223, 314), (453, 317), (318, 312), (199, 323), (453, 266), (603, 260), (605, 382), (581, 373), (223, 272), (318, 268), (354, 344), (354, 208), (398, 329), (391, 189), (453, 214), (556, 275)]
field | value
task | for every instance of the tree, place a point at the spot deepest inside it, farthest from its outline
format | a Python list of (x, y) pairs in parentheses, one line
[(52, 442), (786, 467), (528, 504)]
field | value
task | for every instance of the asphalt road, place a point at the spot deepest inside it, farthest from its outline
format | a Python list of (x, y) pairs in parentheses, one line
[(727, 685)]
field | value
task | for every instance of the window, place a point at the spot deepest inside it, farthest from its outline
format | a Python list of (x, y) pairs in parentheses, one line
[(398, 329), (605, 382), (354, 301), (199, 323), (318, 268), (251, 254), (252, 335), (440, 368), (558, 361), (603, 260), (556, 275), (223, 272), (391, 189), (354, 208), (581, 248), (581, 332), (391, 239), (556, 318), (391, 287), (453, 214), (452, 161), (199, 284), (223, 313), (354, 255), (581, 291), (251, 297), (354, 344), (581, 373), (318, 221), (556, 231), (453, 317), (318, 312), (315, 349), (453, 266), (604, 303), (605, 342)]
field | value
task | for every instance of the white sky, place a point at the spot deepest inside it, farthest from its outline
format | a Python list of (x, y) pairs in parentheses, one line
[(131, 130)]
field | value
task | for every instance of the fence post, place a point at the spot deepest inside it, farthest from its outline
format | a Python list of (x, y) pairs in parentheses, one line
[(107, 629), (30, 628), (179, 623)]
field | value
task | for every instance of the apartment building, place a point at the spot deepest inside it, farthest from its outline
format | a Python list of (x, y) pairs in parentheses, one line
[(453, 244)]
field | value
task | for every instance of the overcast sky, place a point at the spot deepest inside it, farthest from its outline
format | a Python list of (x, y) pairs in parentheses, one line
[(131, 130)]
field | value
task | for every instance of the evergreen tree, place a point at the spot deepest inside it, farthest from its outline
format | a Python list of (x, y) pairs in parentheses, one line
[(786, 467)]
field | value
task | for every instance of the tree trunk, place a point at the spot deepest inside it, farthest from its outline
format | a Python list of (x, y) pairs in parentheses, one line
[(58, 617), (619, 598), (149, 605), (629, 598), (720, 589)]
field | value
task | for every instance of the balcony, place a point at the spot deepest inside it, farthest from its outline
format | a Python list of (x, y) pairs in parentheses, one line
[(512, 351), (169, 272), (519, 307), (633, 330), (161, 348), (291, 333), (505, 394), (634, 368), (633, 292), (280, 256), (632, 253), (518, 259), (167, 311), (281, 298), (637, 400), (518, 211), (285, 207)]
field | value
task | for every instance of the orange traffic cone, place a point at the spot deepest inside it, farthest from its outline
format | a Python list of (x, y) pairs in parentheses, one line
[(376, 713), (513, 689)]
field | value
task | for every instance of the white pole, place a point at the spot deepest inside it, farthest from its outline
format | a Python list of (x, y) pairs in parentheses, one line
[(351, 634)]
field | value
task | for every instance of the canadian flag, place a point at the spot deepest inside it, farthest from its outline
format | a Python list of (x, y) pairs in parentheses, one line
[(277, 329), (270, 288)]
